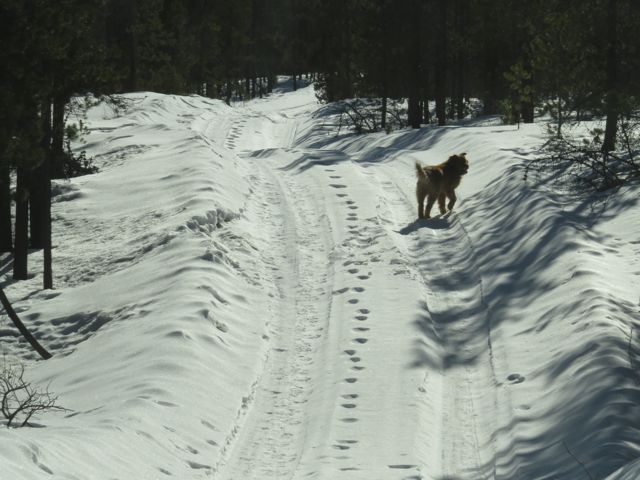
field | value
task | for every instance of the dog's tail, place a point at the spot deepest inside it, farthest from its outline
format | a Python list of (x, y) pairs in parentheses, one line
[(420, 171)]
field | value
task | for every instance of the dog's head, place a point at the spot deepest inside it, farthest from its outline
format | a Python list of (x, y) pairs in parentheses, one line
[(459, 163)]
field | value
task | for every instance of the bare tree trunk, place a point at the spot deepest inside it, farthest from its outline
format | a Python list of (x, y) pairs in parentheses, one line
[(441, 64), (132, 80), (37, 182), (47, 280), (383, 120), (44, 201), (21, 251), (6, 240), (57, 137), (460, 63), (612, 100), (414, 111), (21, 327)]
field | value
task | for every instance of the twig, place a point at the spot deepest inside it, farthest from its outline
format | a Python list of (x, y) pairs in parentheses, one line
[(577, 460), (632, 363)]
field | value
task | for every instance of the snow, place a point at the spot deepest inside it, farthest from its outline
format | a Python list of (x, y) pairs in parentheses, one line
[(243, 294)]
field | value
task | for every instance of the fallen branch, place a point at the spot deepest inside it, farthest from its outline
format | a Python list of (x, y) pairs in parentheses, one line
[(22, 328)]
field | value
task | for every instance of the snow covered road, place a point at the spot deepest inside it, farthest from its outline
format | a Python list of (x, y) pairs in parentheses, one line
[(372, 308), (244, 293)]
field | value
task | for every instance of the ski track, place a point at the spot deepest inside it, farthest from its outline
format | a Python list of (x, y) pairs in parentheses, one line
[(441, 256), (334, 225)]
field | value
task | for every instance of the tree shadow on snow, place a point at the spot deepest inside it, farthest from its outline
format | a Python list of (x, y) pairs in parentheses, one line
[(589, 408)]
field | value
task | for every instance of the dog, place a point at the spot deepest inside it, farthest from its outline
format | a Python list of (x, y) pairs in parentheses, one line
[(438, 182)]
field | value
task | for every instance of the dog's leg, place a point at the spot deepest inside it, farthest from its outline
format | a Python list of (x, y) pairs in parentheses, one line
[(420, 195), (441, 199), (452, 199), (431, 199)]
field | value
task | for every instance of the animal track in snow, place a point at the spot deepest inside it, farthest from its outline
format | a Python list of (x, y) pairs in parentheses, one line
[(341, 194), (351, 380), (364, 310), (337, 185), (361, 340), (361, 318), (354, 300), (515, 378), (348, 405), (350, 396), (353, 270), (358, 289)]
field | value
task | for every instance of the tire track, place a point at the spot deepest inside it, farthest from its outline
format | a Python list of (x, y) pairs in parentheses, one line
[(272, 441), (456, 319)]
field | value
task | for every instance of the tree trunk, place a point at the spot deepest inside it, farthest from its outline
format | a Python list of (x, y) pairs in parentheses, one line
[(37, 183), (57, 137), (36, 212), (426, 114), (612, 101), (383, 120), (228, 93), (414, 112), (21, 251), (6, 240), (441, 65), (45, 219), (527, 111), (21, 327), (132, 80), (270, 82)]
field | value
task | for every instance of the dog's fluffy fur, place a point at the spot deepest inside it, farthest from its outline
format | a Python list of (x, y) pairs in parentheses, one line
[(438, 182)]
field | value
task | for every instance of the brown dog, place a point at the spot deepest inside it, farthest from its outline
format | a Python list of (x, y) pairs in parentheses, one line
[(438, 182)]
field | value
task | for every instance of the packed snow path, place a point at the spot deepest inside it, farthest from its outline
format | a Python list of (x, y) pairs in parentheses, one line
[(349, 388), (245, 293)]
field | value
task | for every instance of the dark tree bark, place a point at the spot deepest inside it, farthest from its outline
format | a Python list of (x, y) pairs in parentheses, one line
[(45, 219), (6, 240), (57, 137), (441, 64), (132, 18), (414, 111), (383, 119), (36, 204), (612, 100), (21, 247), (37, 184), (459, 66), (21, 327)]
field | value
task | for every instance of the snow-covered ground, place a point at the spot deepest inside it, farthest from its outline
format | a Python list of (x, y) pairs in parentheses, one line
[(243, 294)]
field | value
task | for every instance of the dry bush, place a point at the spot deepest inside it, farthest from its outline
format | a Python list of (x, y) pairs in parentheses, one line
[(19, 399), (581, 161)]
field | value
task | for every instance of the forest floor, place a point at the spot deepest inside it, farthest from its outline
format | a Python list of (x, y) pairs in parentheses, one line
[(246, 293)]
